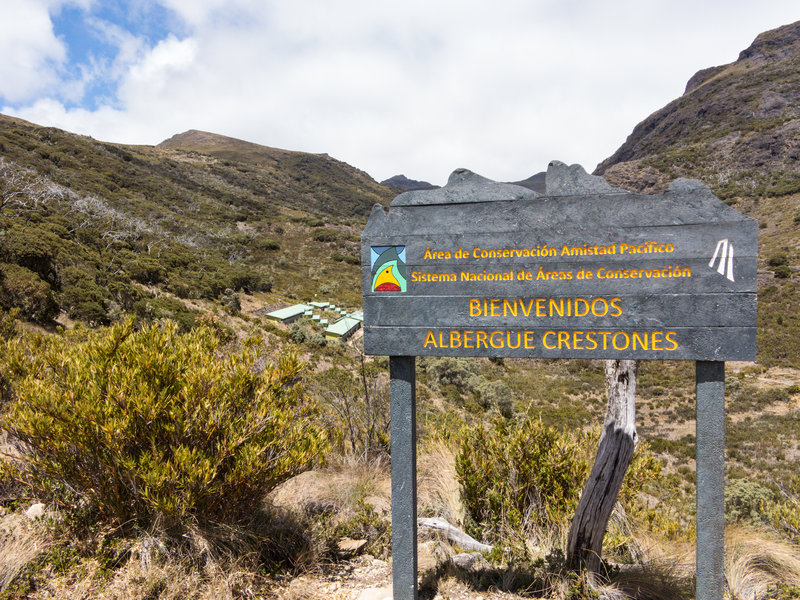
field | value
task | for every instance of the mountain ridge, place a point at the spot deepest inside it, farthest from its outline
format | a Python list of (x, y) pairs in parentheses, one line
[(100, 220), (737, 127), (403, 183)]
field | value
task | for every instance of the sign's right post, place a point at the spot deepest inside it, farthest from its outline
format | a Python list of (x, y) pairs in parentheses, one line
[(710, 377)]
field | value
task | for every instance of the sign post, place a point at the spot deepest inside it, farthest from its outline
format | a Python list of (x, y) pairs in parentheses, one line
[(479, 268), (710, 479), (403, 424)]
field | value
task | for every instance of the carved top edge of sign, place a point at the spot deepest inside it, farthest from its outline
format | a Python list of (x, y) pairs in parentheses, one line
[(464, 186)]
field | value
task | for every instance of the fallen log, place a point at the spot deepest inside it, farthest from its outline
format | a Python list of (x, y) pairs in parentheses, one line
[(454, 534)]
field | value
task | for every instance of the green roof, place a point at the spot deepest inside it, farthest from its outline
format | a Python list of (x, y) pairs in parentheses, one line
[(288, 312), (342, 327)]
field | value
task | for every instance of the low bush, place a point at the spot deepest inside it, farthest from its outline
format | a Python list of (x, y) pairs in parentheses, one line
[(82, 297), (778, 259), (784, 513), (265, 243), (782, 271), (8, 324), (448, 370), (154, 427), (519, 477), (495, 394), (165, 307), (748, 398), (327, 235), (231, 301), (350, 259), (747, 501)]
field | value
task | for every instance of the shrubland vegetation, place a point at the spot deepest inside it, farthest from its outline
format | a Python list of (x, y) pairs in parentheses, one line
[(96, 229), (154, 427), (158, 447)]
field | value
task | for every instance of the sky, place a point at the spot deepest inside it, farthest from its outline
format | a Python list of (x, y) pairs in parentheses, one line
[(418, 87)]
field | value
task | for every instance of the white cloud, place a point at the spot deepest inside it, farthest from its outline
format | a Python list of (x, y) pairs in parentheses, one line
[(417, 87), (159, 68), (30, 51)]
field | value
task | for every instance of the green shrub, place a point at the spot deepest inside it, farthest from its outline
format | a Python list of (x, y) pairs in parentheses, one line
[(495, 394), (24, 289), (82, 297), (778, 259), (326, 235), (154, 427), (519, 476), (231, 301), (448, 370), (33, 249), (265, 243), (165, 307), (8, 331), (8, 324), (350, 259), (782, 271), (749, 398), (746, 501), (146, 270)]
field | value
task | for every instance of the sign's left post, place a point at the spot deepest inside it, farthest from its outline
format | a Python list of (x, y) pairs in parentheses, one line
[(402, 389)]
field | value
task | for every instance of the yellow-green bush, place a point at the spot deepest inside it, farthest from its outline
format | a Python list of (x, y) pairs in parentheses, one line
[(154, 426), (521, 476), (784, 514), (8, 323), (516, 476)]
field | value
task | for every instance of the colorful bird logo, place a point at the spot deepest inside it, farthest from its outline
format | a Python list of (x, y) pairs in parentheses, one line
[(388, 268)]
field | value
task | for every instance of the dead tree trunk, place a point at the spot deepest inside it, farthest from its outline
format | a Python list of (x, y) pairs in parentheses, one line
[(614, 454)]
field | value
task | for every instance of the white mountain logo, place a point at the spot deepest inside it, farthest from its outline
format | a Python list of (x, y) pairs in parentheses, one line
[(724, 250)]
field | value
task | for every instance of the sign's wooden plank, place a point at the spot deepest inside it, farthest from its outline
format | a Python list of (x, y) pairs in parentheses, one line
[(578, 278), (679, 343), (652, 310)]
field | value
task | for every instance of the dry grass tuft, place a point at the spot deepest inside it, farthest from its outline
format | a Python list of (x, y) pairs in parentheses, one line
[(655, 580), (341, 486), (353, 482), (165, 580), (756, 563), (439, 491), (20, 543)]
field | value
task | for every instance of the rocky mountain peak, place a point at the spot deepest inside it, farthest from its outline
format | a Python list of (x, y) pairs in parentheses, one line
[(736, 127), (776, 43)]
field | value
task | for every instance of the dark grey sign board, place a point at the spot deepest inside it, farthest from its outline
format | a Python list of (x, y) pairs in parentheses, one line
[(479, 268)]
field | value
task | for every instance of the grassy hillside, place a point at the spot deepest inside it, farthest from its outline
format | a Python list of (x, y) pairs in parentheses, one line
[(315, 183), (93, 228)]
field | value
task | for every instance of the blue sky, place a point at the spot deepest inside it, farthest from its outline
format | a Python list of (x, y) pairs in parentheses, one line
[(419, 87), (95, 37)]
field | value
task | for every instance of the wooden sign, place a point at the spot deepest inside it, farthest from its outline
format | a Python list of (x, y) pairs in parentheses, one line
[(479, 268)]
